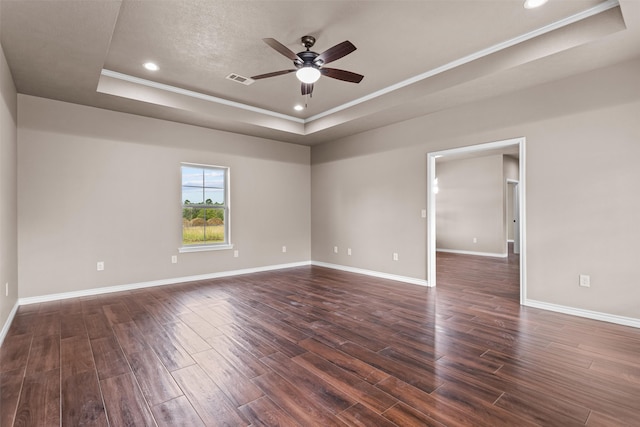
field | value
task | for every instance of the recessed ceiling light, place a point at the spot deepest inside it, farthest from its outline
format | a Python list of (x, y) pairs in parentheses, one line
[(151, 66), (532, 4), (298, 107)]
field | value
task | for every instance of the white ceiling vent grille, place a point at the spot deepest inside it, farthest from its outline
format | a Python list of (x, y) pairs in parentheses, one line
[(240, 79)]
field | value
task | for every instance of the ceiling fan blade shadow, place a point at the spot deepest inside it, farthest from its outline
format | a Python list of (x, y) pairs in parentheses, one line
[(274, 74), (306, 88), (343, 75), (275, 44), (336, 52)]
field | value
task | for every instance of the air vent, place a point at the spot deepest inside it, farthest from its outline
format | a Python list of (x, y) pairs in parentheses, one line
[(240, 79)]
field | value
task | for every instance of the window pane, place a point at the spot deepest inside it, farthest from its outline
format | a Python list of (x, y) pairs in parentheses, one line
[(214, 225), (192, 176), (214, 216), (193, 226), (213, 196), (214, 178), (202, 226), (190, 213), (192, 195)]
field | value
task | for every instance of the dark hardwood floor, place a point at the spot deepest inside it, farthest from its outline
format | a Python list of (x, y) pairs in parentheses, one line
[(316, 347)]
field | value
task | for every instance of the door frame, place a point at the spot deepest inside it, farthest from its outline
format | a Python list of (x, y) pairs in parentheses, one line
[(431, 203)]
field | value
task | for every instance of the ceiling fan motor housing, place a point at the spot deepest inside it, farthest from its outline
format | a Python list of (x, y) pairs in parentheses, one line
[(307, 59)]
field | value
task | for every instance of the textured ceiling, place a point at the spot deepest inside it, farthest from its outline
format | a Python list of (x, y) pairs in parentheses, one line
[(417, 56)]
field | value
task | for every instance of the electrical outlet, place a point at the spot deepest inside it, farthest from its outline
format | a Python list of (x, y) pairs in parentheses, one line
[(585, 281), (284, 249), (236, 253), (348, 251), (335, 249), (6, 289), (100, 265), (395, 256), (174, 259), (423, 213), (475, 240)]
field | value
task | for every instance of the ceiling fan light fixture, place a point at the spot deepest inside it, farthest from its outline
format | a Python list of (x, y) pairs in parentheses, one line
[(532, 4), (308, 75)]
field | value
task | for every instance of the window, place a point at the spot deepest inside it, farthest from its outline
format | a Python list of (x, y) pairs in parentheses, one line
[(205, 207)]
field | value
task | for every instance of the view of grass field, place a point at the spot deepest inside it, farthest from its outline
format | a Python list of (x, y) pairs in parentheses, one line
[(202, 234)]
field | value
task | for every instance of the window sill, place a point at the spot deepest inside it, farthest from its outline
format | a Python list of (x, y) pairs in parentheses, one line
[(194, 248)]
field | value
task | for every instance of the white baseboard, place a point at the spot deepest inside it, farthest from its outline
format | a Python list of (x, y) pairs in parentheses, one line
[(491, 254), (162, 282), (381, 275), (7, 324), (621, 320), (176, 280), (596, 315)]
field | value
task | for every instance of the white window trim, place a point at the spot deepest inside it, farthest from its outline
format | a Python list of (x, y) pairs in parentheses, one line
[(204, 248), (227, 221)]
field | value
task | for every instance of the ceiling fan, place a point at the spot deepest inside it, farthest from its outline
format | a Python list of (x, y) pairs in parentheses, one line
[(310, 65)]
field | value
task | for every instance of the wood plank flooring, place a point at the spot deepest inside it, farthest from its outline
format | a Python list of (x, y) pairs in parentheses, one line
[(317, 347)]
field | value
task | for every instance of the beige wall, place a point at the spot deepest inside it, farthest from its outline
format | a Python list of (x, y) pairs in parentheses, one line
[(8, 193), (371, 204), (470, 205), (511, 167), (582, 149), (96, 185)]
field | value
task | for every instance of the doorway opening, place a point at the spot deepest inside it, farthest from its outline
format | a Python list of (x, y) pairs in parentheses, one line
[(496, 147)]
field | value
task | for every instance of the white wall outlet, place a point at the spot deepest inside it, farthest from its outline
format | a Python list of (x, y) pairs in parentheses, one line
[(174, 259), (236, 253), (284, 249), (349, 251), (100, 265), (475, 240), (6, 289), (423, 213), (395, 256), (585, 281), (335, 249)]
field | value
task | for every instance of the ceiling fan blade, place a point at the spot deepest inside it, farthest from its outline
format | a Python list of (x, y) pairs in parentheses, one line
[(336, 52), (275, 73), (281, 48), (346, 76), (307, 88)]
